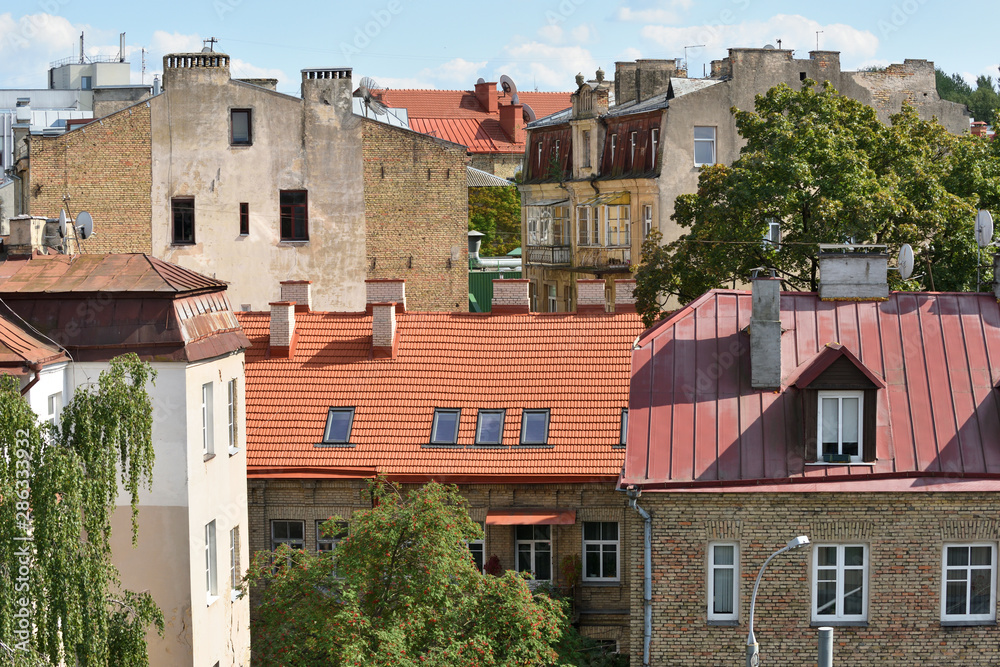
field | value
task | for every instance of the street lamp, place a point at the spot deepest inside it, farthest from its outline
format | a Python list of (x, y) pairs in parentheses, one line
[(753, 648)]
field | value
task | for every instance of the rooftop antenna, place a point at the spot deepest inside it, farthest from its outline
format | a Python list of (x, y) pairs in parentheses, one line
[(81, 47), (692, 46), (779, 43), (142, 80), (121, 48), (209, 45), (371, 102), (984, 239), (818, 33)]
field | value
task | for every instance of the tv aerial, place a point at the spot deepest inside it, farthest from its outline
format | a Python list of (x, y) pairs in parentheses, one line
[(371, 102)]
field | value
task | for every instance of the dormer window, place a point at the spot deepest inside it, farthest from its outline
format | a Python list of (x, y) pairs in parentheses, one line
[(634, 142), (555, 150), (654, 140), (614, 145), (840, 426)]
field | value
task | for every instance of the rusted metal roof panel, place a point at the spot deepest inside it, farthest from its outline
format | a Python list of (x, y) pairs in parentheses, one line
[(101, 273), (695, 422), (20, 347)]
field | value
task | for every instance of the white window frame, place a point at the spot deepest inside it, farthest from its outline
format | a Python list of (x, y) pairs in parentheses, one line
[(531, 225), (840, 616), (614, 147), (54, 406), (654, 137), (585, 140), (231, 413), (634, 141), (704, 141), (560, 224), (533, 550), (207, 421), (211, 564), (959, 619), (735, 568), (647, 220), (619, 225), (556, 149), (601, 544), (773, 236), (583, 214), (552, 298), (234, 562), (479, 546), (840, 394)]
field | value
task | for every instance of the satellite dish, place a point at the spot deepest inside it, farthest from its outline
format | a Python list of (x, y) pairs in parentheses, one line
[(529, 113), (480, 80), (85, 224), (62, 224), (769, 47), (508, 85), (984, 228), (904, 262), (369, 91)]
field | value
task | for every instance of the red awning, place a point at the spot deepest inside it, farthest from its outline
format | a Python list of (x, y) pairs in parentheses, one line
[(531, 516)]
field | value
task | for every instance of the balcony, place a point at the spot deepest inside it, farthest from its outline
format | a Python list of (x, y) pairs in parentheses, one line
[(603, 260), (549, 255)]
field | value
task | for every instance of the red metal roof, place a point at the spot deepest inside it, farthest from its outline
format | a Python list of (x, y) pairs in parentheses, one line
[(20, 347), (696, 424), (574, 365), (458, 116)]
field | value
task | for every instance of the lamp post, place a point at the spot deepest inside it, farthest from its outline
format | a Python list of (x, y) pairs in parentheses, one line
[(753, 648)]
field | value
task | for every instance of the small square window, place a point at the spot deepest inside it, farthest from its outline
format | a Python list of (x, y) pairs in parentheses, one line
[(445, 428), (489, 427), (338, 425), (182, 213), (241, 131), (535, 427)]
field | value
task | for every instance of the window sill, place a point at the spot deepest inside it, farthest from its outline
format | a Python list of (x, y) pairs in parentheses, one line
[(529, 445), (208, 457), (241, 145), (960, 624), (838, 624), (182, 244), (601, 583), (210, 600), (824, 463), (293, 242), (333, 444), (233, 451), (734, 623)]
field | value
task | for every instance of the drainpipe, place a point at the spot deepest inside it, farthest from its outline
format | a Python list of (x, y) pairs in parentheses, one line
[(647, 573), (37, 369)]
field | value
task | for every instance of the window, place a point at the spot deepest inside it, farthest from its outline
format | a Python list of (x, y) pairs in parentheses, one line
[(624, 428), (231, 415), (553, 298), (244, 219), (240, 129), (773, 234), (86, 83), (234, 560), (535, 427), (633, 142), (839, 575), (968, 584), (704, 146), (647, 221), (182, 211), (654, 140), (207, 441), (291, 533), (294, 211), (618, 228), (568, 298), (533, 296), (600, 550), (583, 225), (723, 576), (614, 146), (539, 144), (54, 404), (328, 541), (211, 576), (489, 427), (533, 548), (545, 226), (586, 148), (840, 422), (338, 425), (555, 152), (532, 227), (445, 428), (560, 225), (477, 549)]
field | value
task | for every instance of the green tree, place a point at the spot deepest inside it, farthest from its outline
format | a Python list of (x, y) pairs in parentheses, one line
[(983, 100), (400, 590), (823, 166), (62, 602), (496, 212)]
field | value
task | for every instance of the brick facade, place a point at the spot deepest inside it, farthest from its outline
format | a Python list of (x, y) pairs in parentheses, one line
[(417, 213), (601, 608), (904, 534), (105, 169)]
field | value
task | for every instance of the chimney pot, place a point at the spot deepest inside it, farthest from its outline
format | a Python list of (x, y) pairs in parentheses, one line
[(765, 333)]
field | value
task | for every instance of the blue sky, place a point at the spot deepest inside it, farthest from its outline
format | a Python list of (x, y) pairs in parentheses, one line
[(540, 44)]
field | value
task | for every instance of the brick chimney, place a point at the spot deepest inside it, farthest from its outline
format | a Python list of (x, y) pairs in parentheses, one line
[(853, 276), (486, 93), (298, 292), (284, 338), (765, 333), (625, 295), (979, 128), (512, 122), (590, 296), (510, 297), (384, 291), (385, 337)]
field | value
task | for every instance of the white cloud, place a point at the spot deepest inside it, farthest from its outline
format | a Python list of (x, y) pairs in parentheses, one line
[(630, 53), (29, 43), (402, 83), (174, 42), (546, 66), (551, 32), (583, 33), (457, 74), (666, 16), (796, 32)]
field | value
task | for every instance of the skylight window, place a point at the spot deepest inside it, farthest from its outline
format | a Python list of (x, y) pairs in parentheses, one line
[(445, 429), (489, 427), (535, 427), (338, 425), (624, 427)]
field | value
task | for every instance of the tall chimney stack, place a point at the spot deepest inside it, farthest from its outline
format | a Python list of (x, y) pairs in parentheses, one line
[(384, 330), (283, 335), (765, 333)]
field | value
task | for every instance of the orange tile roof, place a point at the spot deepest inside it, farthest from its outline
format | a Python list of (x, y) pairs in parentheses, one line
[(457, 116), (575, 365)]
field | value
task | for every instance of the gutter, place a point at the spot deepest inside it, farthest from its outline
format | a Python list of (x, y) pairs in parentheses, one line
[(647, 572), (37, 370)]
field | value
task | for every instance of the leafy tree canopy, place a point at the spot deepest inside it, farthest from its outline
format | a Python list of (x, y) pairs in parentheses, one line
[(401, 590), (61, 602), (496, 212), (825, 167), (983, 100)]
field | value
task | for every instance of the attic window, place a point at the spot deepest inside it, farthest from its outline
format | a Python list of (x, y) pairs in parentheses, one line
[(535, 427), (840, 426), (623, 438), (489, 427), (338, 425), (445, 428)]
